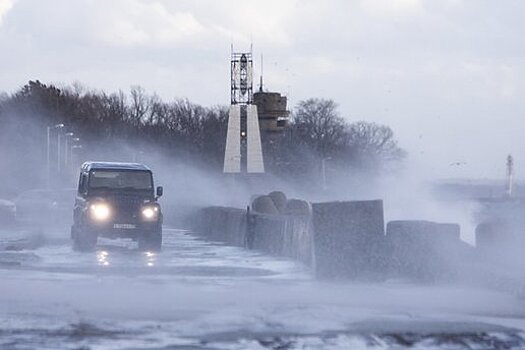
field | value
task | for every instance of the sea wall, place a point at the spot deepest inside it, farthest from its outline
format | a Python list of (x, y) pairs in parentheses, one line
[(349, 240), (338, 239), (281, 235)]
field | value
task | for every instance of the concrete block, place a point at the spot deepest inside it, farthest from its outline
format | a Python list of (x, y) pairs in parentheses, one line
[(297, 207), (500, 241), (424, 250), (264, 205), (279, 200), (268, 233), (349, 239), (298, 238), (222, 224), (489, 234)]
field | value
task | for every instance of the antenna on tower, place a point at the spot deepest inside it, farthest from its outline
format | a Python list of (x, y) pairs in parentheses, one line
[(262, 71), (510, 175)]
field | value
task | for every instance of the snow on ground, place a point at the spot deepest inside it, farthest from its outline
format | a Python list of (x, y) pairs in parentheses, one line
[(200, 295)]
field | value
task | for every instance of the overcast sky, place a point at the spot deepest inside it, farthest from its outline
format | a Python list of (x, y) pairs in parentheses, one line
[(447, 75)]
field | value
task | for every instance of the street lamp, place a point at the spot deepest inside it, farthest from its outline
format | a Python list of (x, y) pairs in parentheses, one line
[(74, 147), (68, 136), (69, 150), (57, 126), (323, 170), (59, 152)]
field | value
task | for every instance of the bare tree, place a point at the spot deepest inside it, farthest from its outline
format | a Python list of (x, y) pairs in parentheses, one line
[(140, 105), (373, 143), (317, 124)]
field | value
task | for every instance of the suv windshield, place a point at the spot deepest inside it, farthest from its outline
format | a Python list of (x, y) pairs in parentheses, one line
[(114, 179)]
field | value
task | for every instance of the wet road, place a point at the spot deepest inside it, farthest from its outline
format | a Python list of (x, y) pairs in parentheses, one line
[(183, 256), (201, 295)]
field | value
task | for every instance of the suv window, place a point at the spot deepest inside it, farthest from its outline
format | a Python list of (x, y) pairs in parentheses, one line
[(115, 179)]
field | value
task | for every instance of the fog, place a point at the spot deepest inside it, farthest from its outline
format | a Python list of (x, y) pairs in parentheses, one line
[(196, 292), (408, 192), (445, 76)]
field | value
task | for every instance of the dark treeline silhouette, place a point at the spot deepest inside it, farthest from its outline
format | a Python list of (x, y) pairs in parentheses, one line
[(180, 130), (317, 132)]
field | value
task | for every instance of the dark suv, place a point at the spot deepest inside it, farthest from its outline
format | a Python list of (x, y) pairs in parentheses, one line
[(116, 200)]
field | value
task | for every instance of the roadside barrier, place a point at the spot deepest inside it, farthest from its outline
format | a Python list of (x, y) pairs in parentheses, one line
[(337, 239), (423, 250)]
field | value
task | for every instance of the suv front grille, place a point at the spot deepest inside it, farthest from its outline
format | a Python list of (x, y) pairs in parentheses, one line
[(126, 209)]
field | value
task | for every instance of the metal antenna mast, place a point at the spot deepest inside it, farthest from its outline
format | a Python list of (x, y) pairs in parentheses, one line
[(510, 175), (262, 73)]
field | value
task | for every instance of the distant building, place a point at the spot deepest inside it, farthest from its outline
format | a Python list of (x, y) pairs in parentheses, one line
[(273, 115), (273, 122)]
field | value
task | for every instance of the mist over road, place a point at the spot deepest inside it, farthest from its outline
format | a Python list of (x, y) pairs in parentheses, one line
[(200, 295)]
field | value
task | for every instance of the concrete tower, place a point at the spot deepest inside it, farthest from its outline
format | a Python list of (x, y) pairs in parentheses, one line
[(243, 153)]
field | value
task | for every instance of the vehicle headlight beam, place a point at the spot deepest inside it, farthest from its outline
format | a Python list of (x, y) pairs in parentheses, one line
[(100, 211), (150, 213)]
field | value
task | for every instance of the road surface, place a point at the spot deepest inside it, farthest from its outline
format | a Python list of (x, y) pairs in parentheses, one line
[(201, 295)]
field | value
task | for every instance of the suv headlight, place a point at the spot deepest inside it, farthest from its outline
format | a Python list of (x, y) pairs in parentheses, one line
[(150, 213), (100, 211)]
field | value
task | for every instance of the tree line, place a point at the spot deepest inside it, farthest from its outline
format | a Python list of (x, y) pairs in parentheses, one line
[(182, 130)]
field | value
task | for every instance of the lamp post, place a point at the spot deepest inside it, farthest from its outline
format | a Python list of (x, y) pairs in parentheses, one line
[(57, 126), (323, 170), (73, 147), (59, 151), (69, 150), (67, 136)]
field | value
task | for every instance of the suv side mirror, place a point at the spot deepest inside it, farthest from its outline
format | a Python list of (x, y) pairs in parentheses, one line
[(160, 191)]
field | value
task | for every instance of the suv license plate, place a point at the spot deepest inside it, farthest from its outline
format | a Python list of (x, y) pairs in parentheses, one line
[(125, 226)]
